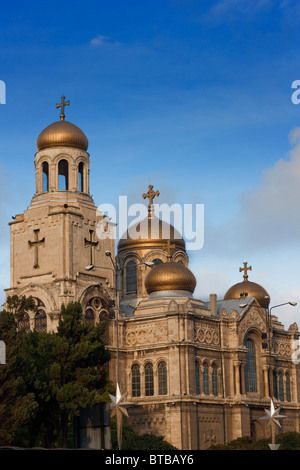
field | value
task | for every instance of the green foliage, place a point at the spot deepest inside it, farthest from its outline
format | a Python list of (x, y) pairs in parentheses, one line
[(287, 441), (132, 441), (17, 404), (55, 375)]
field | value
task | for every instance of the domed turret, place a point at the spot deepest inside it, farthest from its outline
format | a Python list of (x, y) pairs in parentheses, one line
[(248, 289), (170, 276), (62, 134)]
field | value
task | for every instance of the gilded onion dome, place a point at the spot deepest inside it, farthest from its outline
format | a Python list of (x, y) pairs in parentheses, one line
[(248, 289), (62, 133), (151, 232), (145, 236), (170, 276)]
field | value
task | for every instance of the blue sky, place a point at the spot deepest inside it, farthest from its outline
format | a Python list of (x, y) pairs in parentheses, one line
[(191, 96)]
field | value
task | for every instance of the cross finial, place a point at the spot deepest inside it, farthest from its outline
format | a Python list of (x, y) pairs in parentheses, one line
[(62, 105), (150, 195), (168, 247), (245, 269)]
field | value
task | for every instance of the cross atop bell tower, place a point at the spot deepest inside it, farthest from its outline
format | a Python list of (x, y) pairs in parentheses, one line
[(150, 195), (62, 105)]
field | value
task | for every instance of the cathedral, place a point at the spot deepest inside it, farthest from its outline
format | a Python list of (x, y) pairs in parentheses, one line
[(196, 372)]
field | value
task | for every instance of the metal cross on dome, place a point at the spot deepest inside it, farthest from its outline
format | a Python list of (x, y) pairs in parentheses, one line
[(62, 105), (245, 269), (150, 195)]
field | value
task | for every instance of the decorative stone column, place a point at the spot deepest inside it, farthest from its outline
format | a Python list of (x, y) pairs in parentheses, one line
[(237, 377)]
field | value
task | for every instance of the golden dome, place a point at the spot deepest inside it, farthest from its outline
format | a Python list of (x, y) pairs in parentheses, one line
[(62, 134), (248, 289), (148, 238), (170, 276)]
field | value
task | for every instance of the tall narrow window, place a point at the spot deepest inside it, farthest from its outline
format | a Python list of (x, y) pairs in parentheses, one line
[(135, 381), (287, 388), (45, 168), (24, 324), (275, 392), (197, 378), (63, 175), (149, 384), (280, 388), (205, 379), (215, 380), (89, 316), (80, 177), (250, 368), (162, 378), (131, 278), (40, 321)]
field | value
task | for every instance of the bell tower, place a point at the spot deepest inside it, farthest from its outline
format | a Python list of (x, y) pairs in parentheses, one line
[(55, 239)]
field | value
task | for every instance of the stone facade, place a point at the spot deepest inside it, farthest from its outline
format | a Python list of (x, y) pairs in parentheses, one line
[(199, 373)]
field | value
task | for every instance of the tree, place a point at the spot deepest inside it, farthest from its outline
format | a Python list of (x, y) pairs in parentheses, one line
[(54, 374), (133, 441), (17, 405)]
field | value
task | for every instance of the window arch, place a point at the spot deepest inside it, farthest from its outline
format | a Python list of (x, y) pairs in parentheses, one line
[(157, 261), (80, 177), (63, 175), (135, 381), (45, 170), (162, 378), (197, 378), (89, 315), (40, 321), (250, 368), (205, 379), (149, 383), (131, 277), (215, 380)]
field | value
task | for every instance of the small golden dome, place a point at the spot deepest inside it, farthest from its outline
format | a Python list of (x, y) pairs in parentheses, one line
[(62, 134), (248, 289), (161, 234), (170, 276)]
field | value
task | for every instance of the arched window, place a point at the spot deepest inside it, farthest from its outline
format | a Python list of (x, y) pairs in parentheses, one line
[(80, 177), (275, 393), (288, 388), (162, 378), (157, 261), (40, 321), (89, 316), (149, 384), (250, 368), (215, 380), (131, 277), (280, 388), (205, 379), (197, 378), (45, 168), (24, 324), (135, 381), (63, 175)]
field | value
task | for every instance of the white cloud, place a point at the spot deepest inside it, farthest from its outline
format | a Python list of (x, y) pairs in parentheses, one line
[(102, 40)]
